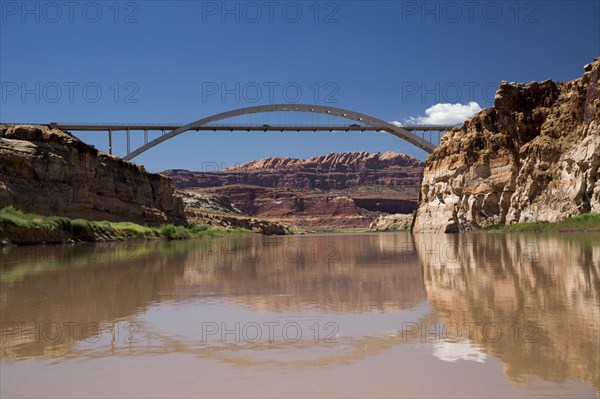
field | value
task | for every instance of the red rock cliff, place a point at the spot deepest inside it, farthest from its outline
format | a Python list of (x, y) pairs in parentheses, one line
[(338, 190), (334, 171)]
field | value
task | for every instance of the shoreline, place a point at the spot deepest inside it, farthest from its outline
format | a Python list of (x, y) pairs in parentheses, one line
[(20, 228), (583, 223)]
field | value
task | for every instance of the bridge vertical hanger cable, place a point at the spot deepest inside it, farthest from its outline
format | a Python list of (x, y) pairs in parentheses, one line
[(326, 111), (370, 123)]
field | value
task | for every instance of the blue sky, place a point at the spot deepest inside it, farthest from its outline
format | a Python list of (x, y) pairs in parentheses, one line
[(175, 62)]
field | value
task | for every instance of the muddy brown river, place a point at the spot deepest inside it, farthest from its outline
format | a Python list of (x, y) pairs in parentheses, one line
[(341, 315)]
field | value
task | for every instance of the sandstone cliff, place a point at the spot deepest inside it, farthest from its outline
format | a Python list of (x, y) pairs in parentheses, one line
[(337, 190), (49, 172), (334, 171), (393, 222), (534, 156), (218, 211)]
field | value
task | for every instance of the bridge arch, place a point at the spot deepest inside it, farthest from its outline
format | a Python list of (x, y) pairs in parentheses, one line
[(311, 108)]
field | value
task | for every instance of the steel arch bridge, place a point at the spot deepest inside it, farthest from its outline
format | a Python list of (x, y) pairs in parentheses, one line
[(368, 123)]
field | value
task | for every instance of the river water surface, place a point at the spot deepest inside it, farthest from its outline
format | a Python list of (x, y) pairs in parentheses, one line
[(348, 315)]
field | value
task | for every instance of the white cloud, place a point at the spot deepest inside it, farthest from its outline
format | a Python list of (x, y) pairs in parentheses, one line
[(461, 350), (446, 114)]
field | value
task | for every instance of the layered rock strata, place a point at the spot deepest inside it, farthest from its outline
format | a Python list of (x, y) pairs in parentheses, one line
[(49, 172), (337, 190), (534, 156)]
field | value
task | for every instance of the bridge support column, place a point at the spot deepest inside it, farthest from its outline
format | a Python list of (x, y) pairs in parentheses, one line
[(145, 136), (110, 141), (128, 142)]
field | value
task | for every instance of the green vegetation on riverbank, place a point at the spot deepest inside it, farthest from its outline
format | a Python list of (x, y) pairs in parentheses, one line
[(28, 228), (583, 222)]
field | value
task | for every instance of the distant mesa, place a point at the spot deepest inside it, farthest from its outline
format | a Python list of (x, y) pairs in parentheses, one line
[(336, 190)]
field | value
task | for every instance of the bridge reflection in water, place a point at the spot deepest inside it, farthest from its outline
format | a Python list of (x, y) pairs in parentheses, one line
[(378, 290)]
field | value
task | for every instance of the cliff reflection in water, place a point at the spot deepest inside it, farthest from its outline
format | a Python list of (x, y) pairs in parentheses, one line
[(548, 286), (337, 273), (541, 292), (108, 283), (42, 287)]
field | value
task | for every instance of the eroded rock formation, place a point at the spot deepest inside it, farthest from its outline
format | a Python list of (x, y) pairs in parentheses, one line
[(334, 171), (534, 156), (393, 222), (337, 190), (218, 211), (49, 172)]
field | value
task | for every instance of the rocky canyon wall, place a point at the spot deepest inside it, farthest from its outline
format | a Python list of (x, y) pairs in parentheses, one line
[(534, 156), (337, 190), (334, 171), (49, 172)]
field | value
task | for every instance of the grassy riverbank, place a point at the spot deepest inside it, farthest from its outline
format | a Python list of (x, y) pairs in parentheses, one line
[(18, 227), (585, 222)]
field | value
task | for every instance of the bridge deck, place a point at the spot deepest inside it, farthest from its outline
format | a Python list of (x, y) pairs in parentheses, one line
[(240, 127), (363, 123)]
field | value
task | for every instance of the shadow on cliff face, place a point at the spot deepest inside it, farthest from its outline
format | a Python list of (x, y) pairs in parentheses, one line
[(535, 299)]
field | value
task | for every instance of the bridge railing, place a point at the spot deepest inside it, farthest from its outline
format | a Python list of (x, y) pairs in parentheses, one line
[(171, 126), (168, 130)]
